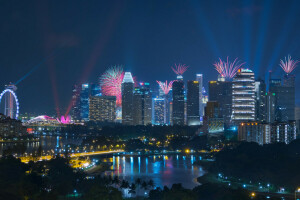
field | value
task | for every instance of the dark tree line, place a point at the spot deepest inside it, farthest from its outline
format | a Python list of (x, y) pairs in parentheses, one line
[(277, 163)]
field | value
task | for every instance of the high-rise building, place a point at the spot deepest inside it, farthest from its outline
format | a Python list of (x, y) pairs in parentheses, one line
[(142, 102), (193, 117), (95, 89), (127, 99), (75, 112), (260, 93), (199, 78), (158, 107), (102, 108), (221, 92), (243, 96), (283, 131), (84, 101), (270, 107), (178, 102), (213, 121), (285, 98)]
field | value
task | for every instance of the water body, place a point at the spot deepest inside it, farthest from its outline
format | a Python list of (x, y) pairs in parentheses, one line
[(48, 143), (163, 169)]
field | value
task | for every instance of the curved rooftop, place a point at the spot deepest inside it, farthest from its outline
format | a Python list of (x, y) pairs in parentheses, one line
[(43, 119)]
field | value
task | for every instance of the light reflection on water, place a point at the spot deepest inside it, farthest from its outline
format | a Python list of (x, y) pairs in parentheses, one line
[(163, 170)]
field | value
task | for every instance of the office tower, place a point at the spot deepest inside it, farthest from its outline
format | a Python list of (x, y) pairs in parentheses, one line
[(193, 117), (260, 93), (158, 107), (221, 92), (84, 101), (127, 99), (285, 98), (270, 107), (178, 102), (95, 89), (75, 112), (199, 78), (213, 121), (289, 86), (243, 96), (102, 108), (142, 102)]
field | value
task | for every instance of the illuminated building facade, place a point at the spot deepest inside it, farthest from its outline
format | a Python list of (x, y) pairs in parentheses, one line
[(260, 94), (75, 112), (102, 108), (178, 102), (221, 92), (243, 96), (213, 121), (266, 133), (127, 99), (193, 117), (199, 78), (158, 108), (84, 102), (142, 102)]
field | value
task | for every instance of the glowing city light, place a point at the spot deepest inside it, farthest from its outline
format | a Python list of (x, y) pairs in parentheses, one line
[(14, 111), (111, 83), (288, 65), (165, 86), (180, 69), (65, 120), (228, 69)]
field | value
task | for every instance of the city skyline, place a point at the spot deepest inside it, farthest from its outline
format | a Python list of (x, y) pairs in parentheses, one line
[(59, 54)]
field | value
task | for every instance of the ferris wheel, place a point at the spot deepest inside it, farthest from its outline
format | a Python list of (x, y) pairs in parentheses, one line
[(9, 102)]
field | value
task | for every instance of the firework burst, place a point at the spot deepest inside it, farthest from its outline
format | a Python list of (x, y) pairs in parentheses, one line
[(288, 65), (180, 69), (111, 83), (165, 86), (228, 69)]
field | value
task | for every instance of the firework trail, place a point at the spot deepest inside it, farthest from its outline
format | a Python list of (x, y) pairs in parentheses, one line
[(111, 83), (228, 69), (180, 69), (165, 86), (288, 65)]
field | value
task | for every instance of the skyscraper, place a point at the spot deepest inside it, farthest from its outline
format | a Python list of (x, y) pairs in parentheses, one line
[(127, 99), (178, 102), (285, 98), (75, 112), (102, 108), (221, 92), (193, 117), (260, 93), (142, 102), (158, 111), (84, 101), (270, 107), (199, 78), (243, 96)]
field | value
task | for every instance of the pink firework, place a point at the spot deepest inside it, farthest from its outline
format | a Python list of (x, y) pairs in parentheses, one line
[(288, 65), (64, 120), (180, 69), (165, 86), (111, 83), (228, 69)]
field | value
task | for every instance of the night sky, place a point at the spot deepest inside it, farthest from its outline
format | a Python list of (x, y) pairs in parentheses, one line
[(48, 46)]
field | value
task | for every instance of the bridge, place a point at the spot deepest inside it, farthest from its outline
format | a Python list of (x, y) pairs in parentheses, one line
[(26, 159)]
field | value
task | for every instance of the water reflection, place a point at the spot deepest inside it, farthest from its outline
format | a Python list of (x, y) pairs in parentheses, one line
[(163, 170)]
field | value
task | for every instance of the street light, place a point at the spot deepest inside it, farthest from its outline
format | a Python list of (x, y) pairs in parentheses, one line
[(297, 191)]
